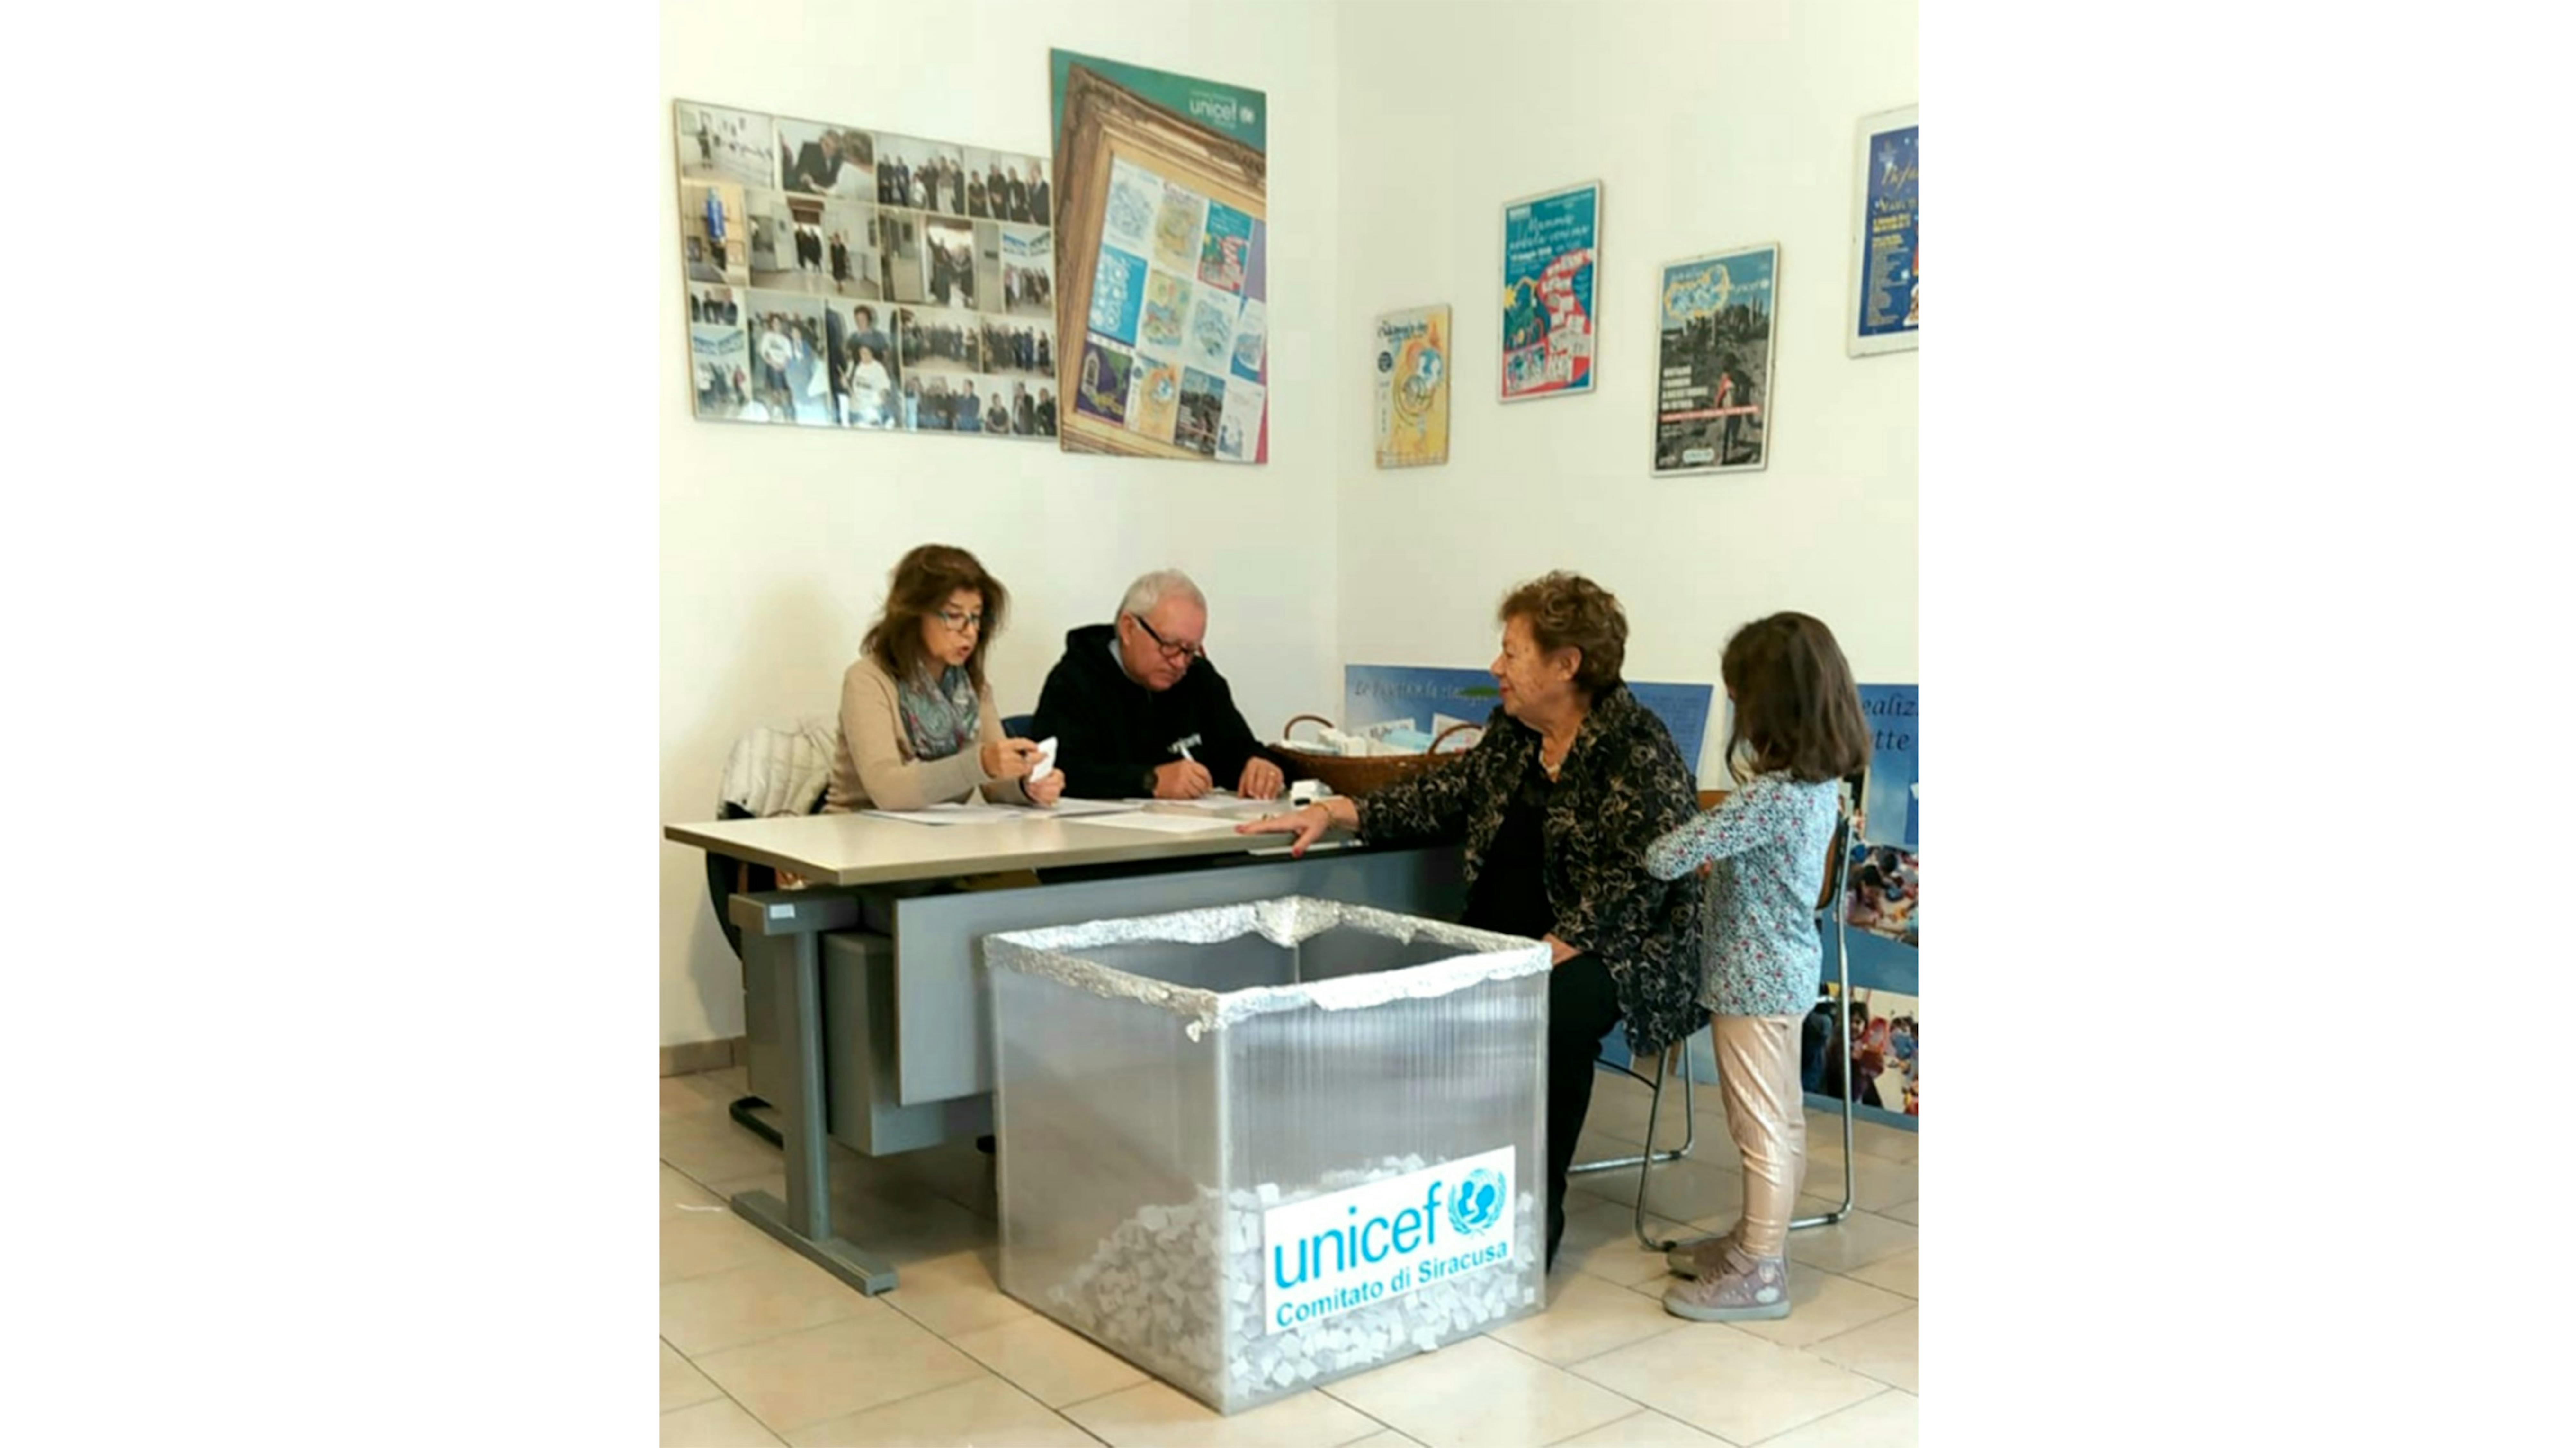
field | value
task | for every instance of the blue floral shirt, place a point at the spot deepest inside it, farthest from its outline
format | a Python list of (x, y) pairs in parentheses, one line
[(1768, 840)]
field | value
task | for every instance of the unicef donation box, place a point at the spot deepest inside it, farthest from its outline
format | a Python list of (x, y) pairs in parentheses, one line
[(1257, 1148)]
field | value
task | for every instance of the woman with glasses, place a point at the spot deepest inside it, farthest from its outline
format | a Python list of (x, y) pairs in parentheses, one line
[(918, 726)]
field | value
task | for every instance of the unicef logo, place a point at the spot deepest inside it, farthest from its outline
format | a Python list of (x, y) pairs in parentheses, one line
[(1478, 1204)]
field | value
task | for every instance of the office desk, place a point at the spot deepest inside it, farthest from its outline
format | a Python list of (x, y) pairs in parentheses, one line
[(884, 1042)]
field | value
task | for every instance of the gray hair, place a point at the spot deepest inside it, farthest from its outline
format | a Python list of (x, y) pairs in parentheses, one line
[(1153, 588)]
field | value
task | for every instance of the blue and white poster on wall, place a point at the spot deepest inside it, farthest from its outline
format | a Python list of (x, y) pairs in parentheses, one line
[(1435, 699), (1882, 899), (1887, 236)]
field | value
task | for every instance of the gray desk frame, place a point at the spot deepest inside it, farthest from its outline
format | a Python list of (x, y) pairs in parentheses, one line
[(940, 1011)]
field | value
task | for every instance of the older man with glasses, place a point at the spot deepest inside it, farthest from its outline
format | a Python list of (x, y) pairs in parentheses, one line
[(1138, 711)]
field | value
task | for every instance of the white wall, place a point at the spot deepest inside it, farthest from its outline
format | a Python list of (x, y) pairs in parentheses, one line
[(1397, 130), (1710, 125), (775, 543)]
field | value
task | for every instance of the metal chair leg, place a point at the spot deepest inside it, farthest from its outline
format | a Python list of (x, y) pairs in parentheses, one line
[(1690, 1123), (1689, 1130), (1842, 1007)]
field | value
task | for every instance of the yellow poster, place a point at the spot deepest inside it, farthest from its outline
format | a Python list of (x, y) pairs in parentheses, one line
[(1412, 380)]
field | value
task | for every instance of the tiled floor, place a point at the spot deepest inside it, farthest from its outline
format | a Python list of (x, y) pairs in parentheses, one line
[(761, 1347)]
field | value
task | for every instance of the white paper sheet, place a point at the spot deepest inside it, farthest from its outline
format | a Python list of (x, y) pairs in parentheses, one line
[(1163, 824), (959, 814), (1046, 761)]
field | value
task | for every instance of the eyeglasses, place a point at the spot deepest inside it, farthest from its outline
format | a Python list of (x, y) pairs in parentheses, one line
[(1186, 653), (960, 622)]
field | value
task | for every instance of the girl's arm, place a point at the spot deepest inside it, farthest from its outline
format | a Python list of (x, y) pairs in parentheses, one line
[(1760, 811)]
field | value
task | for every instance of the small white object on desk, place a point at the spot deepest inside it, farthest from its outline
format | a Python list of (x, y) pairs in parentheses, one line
[(1306, 791), (1046, 761)]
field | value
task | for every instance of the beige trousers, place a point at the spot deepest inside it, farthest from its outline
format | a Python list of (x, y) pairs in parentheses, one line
[(1757, 1066)]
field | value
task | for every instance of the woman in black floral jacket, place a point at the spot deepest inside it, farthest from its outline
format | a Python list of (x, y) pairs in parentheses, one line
[(1557, 803)]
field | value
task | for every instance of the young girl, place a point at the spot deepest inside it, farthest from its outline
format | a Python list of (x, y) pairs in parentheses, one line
[(1797, 731)]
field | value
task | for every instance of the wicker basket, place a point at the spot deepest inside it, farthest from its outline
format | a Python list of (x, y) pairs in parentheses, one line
[(1360, 776)]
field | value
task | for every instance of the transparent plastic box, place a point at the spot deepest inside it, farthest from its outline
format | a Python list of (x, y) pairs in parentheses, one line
[(1257, 1148)]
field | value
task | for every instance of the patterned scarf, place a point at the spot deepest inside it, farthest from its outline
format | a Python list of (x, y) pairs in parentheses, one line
[(940, 719)]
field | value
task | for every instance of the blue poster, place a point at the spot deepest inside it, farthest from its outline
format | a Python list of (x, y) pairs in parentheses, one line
[(1551, 248), (1117, 294), (1889, 268), (1434, 699), (1883, 890)]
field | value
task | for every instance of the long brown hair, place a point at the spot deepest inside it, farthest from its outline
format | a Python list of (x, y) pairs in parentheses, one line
[(919, 588), (1796, 708)]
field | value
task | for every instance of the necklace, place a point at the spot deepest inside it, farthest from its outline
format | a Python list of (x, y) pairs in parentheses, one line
[(1559, 763)]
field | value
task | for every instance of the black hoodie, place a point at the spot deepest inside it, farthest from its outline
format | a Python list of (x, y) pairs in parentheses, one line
[(1111, 732)]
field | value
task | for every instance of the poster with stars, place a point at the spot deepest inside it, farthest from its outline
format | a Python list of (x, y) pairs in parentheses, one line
[(1551, 258), (1886, 240)]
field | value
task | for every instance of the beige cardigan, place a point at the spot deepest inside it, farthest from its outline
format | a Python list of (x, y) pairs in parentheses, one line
[(874, 767)]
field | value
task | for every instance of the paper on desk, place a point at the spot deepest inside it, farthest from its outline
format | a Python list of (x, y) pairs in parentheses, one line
[(1223, 799), (1072, 808), (958, 814), (1164, 824)]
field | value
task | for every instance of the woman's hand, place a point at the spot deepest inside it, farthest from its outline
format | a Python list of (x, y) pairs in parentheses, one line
[(1010, 759), (1045, 792), (1307, 824)]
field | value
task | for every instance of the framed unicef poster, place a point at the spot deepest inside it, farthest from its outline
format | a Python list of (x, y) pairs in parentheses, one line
[(1886, 272), (1551, 260)]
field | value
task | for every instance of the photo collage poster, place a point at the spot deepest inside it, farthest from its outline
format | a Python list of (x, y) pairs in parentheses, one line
[(1713, 362), (1551, 322), (1166, 256), (1411, 378), (851, 278)]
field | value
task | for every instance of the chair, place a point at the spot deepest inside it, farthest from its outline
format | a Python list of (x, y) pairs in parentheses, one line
[(1829, 916), (1017, 726)]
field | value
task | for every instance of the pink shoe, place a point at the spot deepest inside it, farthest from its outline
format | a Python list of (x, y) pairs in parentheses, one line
[(1743, 1289)]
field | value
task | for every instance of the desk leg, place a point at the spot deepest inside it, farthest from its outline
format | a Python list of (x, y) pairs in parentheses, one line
[(803, 1222)]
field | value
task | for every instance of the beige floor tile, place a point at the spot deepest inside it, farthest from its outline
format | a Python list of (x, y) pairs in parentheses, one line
[(1052, 1364), (1601, 1241), (719, 1424), (712, 1149), (727, 1084), (985, 1412), (801, 1378), (1887, 1143), (1906, 1212), (1384, 1438), (689, 1095), (746, 1304), (682, 1384), (1896, 1274), (1619, 1108), (1648, 1429), (1822, 1305), (1480, 1392), (1855, 1241), (683, 1198), (954, 1294), (1681, 1190), (1728, 1383), (1884, 1350), (1586, 1317), (1886, 1421), (1878, 1184), (697, 1243), (1154, 1415)]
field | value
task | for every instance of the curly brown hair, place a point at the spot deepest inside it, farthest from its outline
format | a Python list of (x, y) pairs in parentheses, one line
[(1796, 708), (919, 588), (1570, 611)]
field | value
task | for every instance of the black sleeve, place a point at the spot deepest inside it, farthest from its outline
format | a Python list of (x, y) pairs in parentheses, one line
[(1083, 749)]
